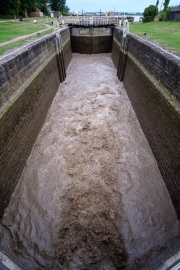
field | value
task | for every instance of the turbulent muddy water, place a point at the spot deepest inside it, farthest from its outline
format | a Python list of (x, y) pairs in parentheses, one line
[(91, 195)]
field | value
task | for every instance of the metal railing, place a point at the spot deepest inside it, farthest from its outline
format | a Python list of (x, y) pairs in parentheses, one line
[(125, 26), (55, 25), (90, 20)]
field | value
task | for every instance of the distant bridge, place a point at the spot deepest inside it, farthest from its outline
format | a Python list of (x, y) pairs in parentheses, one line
[(93, 20)]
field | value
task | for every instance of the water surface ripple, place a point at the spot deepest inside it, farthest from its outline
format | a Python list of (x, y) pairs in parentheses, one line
[(91, 195)]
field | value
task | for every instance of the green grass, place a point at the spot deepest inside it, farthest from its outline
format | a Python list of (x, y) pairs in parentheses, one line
[(40, 20), (164, 34), (10, 30), (22, 42)]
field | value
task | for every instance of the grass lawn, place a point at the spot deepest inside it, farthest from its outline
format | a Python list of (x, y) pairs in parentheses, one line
[(164, 34), (22, 42), (10, 29)]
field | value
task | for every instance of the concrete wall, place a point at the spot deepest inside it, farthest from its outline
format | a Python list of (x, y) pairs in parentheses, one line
[(152, 81), (29, 81), (91, 40)]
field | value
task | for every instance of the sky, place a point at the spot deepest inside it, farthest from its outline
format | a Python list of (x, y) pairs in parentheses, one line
[(117, 5)]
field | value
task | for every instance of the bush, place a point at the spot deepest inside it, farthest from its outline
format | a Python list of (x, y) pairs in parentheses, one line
[(6, 17), (150, 13), (165, 17), (21, 13), (148, 19)]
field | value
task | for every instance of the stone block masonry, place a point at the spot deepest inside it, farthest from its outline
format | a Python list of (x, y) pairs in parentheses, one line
[(17, 68), (152, 82), (20, 126), (164, 66), (29, 81)]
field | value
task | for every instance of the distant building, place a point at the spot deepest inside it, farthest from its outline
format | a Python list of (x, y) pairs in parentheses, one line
[(56, 14), (111, 13), (175, 14), (38, 13)]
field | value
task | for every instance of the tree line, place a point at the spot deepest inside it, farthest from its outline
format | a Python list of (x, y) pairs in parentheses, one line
[(23, 7), (151, 12)]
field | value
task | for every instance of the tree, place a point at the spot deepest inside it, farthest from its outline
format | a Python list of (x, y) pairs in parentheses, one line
[(5, 7), (157, 3), (57, 5), (65, 10), (150, 13), (41, 4), (15, 7), (161, 14), (32, 5), (28, 6), (23, 7), (165, 4)]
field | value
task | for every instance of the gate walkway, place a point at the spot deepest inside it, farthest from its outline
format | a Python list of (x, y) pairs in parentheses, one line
[(91, 20)]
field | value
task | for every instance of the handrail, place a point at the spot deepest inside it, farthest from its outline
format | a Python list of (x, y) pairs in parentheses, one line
[(91, 20)]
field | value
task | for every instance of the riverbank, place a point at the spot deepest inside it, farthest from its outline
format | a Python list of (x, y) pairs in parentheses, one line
[(13, 34), (163, 34)]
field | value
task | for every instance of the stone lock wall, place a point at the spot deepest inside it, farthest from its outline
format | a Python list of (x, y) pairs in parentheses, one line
[(29, 81), (152, 81), (15, 69)]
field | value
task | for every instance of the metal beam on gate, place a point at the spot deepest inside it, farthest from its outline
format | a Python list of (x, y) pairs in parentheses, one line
[(90, 20)]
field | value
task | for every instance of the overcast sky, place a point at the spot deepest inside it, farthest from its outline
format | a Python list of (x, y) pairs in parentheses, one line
[(118, 5)]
